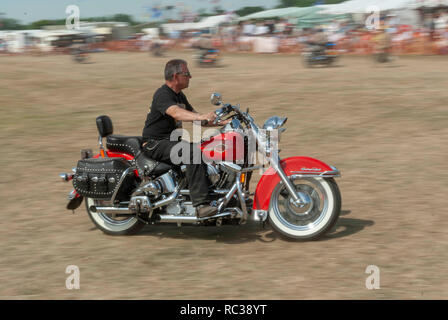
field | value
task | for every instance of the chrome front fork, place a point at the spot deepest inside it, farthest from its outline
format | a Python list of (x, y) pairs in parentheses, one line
[(299, 198)]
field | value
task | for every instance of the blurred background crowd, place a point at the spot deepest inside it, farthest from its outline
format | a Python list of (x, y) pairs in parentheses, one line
[(410, 27)]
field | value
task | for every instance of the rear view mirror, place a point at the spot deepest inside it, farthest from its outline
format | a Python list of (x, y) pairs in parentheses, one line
[(216, 99)]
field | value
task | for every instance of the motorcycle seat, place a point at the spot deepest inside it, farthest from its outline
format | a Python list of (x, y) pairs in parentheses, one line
[(133, 145), (151, 167), (127, 144)]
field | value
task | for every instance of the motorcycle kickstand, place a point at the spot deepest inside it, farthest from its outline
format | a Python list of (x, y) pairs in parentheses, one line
[(263, 224)]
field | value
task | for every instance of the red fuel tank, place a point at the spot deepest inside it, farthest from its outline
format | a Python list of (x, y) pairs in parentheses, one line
[(227, 146)]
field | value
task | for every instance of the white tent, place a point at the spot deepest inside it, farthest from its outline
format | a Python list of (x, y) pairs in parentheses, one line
[(367, 6), (214, 21), (429, 3), (208, 22), (273, 13)]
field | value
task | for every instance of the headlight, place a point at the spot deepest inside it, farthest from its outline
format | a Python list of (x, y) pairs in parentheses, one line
[(274, 123)]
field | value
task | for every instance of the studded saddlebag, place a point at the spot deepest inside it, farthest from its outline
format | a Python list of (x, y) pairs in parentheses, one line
[(99, 178)]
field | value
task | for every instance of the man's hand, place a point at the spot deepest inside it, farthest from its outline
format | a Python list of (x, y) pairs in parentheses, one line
[(180, 114), (211, 124), (210, 117)]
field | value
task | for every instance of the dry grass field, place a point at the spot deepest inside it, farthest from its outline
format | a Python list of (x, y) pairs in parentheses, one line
[(384, 126)]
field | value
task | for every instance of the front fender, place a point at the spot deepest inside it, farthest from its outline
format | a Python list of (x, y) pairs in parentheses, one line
[(291, 166)]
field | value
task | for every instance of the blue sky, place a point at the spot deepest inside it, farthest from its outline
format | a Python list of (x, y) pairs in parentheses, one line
[(31, 10)]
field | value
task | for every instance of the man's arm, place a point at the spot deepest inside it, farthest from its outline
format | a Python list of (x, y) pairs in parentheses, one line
[(180, 114)]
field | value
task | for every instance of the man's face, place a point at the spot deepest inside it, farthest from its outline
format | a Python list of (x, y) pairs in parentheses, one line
[(183, 77)]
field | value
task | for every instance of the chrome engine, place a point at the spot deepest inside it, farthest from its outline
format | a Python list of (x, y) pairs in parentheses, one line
[(213, 174), (164, 184), (179, 207), (162, 191)]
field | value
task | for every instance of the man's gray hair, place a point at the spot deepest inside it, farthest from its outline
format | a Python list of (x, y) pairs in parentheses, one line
[(172, 67)]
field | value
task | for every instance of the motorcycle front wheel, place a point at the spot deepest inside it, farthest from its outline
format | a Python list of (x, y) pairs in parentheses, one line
[(308, 221), (112, 224)]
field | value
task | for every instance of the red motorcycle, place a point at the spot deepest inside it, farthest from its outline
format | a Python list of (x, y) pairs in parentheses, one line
[(124, 190)]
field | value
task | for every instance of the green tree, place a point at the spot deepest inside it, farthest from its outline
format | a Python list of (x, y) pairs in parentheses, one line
[(10, 24), (218, 10), (305, 3), (41, 23), (124, 18), (202, 13), (248, 10)]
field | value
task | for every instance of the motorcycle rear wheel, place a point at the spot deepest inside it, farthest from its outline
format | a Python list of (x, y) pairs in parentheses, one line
[(310, 221), (112, 225)]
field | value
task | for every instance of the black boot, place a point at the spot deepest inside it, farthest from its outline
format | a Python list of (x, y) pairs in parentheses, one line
[(206, 211)]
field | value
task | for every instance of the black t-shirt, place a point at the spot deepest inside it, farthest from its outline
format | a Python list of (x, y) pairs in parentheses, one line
[(158, 124)]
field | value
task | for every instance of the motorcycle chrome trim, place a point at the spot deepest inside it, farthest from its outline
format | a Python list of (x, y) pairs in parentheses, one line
[(216, 98), (325, 174), (167, 182), (213, 174), (186, 192), (231, 166), (274, 123), (140, 204), (239, 212), (123, 175), (111, 210), (251, 169), (242, 199), (289, 186), (187, 219), (65, 177), (259, 215), (190, 219), (225, 200), (72, 195), (166, 201)]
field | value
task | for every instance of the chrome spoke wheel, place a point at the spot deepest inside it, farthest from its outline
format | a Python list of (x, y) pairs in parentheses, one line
[(315, 214), (112, 223), (302, 216)]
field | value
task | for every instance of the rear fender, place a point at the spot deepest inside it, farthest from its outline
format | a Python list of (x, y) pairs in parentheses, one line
[(112, 154), (305, 166), (75, 200)]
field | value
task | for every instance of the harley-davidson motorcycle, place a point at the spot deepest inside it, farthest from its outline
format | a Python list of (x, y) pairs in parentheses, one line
[(325, 55), (208, 57), (124, 190)]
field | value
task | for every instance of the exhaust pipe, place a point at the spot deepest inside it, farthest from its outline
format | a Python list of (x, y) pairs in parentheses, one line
[(114, 210), (111, 210), (189, 219)]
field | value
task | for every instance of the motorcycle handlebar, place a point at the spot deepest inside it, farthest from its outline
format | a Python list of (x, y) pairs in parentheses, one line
[(226, 109)]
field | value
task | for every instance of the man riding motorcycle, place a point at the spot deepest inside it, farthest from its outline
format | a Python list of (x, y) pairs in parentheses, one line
[(206, 48), (318, 41), (169, 108)]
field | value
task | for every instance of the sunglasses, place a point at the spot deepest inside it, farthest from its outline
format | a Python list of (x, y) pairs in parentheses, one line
[(187, 74)]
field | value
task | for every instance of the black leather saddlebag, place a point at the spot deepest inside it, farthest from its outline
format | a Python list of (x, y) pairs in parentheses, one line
[(98, 178)]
